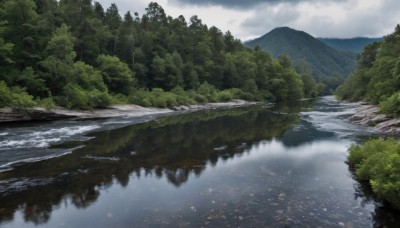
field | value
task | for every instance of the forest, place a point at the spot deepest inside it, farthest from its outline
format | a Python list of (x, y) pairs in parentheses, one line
[(377, 78), (77, 54)]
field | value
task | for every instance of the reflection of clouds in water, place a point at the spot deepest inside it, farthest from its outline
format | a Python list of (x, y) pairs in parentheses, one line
[(276, 149)]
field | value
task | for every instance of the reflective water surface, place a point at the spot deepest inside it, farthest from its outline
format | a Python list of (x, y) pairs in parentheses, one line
[(249, 167)]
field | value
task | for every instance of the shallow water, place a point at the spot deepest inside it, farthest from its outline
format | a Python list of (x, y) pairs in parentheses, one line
[(248, 167)]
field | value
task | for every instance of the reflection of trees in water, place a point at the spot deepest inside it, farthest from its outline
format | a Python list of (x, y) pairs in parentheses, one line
[(173, 147)]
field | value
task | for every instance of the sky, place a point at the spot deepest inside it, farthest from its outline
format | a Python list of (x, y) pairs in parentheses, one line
[(249, 19)]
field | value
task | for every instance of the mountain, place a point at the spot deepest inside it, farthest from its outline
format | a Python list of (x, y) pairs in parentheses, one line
[(355, 45), (322, 59)]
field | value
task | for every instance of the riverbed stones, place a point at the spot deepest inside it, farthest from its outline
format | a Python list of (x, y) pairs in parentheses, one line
[(369, 115)]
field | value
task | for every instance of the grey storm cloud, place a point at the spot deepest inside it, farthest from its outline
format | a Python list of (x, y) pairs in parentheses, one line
[(244, 4), (356, 21)]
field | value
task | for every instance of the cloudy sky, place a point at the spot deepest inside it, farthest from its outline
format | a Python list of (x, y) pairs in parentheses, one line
[(248, 19)]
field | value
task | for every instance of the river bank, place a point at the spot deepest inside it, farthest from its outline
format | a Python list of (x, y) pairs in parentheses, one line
[(129, 110), (370, 115)]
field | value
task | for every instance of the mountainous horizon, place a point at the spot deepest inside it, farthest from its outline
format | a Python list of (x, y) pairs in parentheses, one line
[(355, 44), (326, 64)]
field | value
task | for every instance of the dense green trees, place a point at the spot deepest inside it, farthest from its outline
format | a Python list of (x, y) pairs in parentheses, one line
[(79, 55), (377, 77)]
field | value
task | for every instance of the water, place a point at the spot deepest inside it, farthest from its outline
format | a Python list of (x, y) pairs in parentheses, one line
[(247, 167), (32, 142)]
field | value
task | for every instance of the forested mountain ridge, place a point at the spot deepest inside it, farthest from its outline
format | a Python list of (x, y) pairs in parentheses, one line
[(355, 45), (78, 55), (327, 64), (377, 78)]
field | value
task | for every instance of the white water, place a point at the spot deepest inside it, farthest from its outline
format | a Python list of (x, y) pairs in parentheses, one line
[(32, 142), (44, 137), (331, 116)]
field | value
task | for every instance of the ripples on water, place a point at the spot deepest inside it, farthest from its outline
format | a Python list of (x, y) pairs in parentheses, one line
[(248, 167), (32, 142)]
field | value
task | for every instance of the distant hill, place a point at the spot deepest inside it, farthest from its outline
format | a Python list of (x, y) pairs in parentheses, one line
[(355, 45), (323, 60)]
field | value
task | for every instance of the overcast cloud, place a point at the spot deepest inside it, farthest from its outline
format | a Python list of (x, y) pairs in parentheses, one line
[(242, 4), (248, 19)]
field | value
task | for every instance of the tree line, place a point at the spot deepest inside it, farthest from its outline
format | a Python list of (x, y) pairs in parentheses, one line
[(76, 54), (377, 78)]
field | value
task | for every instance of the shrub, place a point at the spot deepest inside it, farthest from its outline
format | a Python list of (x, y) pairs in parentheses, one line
[(159, 98), (21, 98), (75, 97), (47, 103), (15, 96), (378, 161), (98, 99), (140, 97), (162, 99), (119, 99), (182, 97), (240, 94), (5, 95), (224, 95), (199, 98), (78, 98), (208, 91), (391, 105)]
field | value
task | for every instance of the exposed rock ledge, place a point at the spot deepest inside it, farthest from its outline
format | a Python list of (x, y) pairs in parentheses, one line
[(369, 115), (37, 114)]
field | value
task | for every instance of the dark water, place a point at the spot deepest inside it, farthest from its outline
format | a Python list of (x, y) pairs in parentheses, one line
[(249, 167)]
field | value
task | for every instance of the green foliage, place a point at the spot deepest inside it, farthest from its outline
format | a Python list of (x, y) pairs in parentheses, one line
[(118, 99), (156, 97), (78, 55), (183, 97), (87, 77), (47, 103), (5, 48), (208, 91), (391, 105), (116, 74), (33, 82), (378, 161), (58, 64), (14, 97), (5, 95), (225, 95), (61, 45), (76, 97), (377, 77), (22, 31)]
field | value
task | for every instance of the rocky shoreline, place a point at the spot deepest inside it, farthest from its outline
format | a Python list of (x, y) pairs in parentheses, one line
[(41, 114), (369, 115)]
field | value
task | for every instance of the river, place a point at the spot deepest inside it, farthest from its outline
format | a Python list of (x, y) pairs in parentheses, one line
[(252, 166)]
